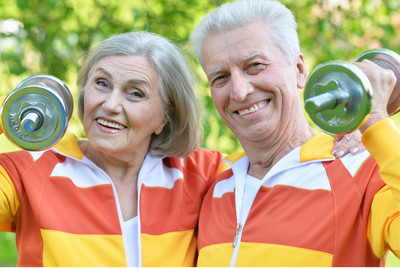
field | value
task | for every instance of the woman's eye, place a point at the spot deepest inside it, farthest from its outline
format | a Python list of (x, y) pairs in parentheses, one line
[(135, 93), (101, 83)]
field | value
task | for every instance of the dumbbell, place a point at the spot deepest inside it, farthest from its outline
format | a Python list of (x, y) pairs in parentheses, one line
[(36, 113), (338, 95)]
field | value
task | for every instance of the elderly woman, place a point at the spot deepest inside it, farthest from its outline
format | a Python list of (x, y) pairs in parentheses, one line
[(130, 194)]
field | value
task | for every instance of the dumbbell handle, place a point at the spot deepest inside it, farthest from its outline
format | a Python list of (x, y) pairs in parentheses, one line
[(32, 120), (332, 97), (325, 101)]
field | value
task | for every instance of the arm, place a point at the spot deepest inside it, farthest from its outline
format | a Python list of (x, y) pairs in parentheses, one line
[(9, 202), (382, 140)]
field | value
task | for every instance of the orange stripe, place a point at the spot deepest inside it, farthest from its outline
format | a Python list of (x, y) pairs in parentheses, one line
[(78, 210), (281, 215), (293, 217), (181, 204), (353, 197), (217, 222), (167, 210)]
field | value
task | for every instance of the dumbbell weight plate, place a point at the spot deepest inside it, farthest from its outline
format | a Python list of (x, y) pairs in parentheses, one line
[(41, 95), (387, 59), (349, 114)]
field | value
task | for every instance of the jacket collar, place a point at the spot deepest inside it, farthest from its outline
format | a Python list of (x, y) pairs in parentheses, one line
[(69, 146), (318, 148)]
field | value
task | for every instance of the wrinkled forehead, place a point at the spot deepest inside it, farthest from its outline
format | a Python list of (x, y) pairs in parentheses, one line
[(238, 45)]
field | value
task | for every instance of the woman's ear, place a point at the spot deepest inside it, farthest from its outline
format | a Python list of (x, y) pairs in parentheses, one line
[(167, 116), (301, 72)]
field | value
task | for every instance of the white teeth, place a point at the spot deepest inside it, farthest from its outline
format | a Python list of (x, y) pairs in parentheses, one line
[(253, 108), (109, 124)]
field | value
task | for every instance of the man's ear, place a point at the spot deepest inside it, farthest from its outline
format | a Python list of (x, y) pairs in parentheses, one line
[(301, 72)]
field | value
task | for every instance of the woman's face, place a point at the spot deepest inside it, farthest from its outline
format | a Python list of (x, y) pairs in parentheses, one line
[(123, 106)]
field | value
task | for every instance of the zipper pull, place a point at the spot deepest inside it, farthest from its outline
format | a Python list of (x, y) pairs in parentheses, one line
[(235, 240)]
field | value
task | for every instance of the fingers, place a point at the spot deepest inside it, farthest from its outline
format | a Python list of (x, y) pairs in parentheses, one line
[(382, 82), (348, 143)]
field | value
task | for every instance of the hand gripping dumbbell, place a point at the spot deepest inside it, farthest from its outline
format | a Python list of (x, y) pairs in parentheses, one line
[(338, 95), (35, 115)]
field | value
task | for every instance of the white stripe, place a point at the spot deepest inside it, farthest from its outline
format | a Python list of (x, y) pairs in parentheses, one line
[(354, 162), (223, 187), (83, 173), (36, 154), (311, 176), (163, 177), (290, 171)]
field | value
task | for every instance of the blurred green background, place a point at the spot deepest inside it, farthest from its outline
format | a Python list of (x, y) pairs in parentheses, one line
[(54, 37)]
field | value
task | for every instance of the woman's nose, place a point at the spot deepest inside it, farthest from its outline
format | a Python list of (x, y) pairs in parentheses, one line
[(113, 102)]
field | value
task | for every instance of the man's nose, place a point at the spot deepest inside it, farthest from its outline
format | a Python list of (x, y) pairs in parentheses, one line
[(241, 87)]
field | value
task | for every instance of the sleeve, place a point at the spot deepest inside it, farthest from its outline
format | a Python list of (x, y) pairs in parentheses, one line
[(8, 201), (382, 140), (206, 163), (8, 194)]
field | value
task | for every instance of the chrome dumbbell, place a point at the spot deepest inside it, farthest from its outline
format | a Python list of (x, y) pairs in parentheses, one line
[(35, 115), (338, 95)]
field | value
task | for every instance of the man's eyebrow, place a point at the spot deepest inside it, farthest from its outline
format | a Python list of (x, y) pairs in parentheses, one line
[(218, 70), (252, 56), (244, 59)]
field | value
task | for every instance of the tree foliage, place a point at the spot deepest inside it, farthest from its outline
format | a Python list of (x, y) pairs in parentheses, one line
[(54, 37)]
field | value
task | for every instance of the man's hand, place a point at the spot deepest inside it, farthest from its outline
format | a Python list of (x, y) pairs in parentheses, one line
[(382, 82)]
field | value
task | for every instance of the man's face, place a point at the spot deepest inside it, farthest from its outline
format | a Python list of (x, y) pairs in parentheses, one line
[(253, 86)]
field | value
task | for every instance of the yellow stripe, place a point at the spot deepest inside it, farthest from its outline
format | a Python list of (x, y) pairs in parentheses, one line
[(9, 200), (384, 219), (69, 146), (218, 255), (382, 140), (280, 255), (235, 157), (171, 249), (71, 250), (318, 147), (266, 255)]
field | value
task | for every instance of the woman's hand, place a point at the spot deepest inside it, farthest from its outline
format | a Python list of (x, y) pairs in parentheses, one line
[(348, 143)]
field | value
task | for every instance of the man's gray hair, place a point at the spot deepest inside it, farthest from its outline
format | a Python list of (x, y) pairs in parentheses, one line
[(281, 23)]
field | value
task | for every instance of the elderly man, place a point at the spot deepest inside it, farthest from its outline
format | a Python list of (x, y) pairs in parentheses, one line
[(287, 201)]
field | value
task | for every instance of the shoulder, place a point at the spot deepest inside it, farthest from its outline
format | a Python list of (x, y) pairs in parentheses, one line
[(202, 156), (199, 169)]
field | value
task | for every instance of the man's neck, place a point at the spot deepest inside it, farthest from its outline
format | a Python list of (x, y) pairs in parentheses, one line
[(264, 155)]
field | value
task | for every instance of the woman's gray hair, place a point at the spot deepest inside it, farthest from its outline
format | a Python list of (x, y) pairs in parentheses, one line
[(183, 130), (280, 20)]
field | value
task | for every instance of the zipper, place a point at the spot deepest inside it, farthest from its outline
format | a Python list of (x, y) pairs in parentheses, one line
[(238, 230), (236, 244)]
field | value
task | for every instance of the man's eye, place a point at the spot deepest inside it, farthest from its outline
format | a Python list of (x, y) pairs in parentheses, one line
[(219, 80), (255, 68)]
